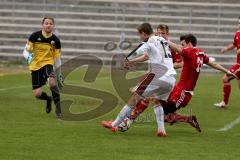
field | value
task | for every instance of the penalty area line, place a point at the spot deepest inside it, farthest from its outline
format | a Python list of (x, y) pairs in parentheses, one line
[(230, 125)]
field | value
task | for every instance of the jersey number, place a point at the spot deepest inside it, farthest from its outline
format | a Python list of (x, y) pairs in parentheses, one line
[(166, 55), (199, 64)]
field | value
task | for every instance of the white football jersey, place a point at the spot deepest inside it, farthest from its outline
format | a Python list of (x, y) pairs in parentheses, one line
[(160, 58)]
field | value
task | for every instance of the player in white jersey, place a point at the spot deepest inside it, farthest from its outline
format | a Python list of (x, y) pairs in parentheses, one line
[(156, 50), (158, 82)]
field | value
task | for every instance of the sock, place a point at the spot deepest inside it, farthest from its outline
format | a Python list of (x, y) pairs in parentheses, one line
[(55, 95), (180, 118), (140, 107), (226, 92), (159, 113), (170, 118), (124, 113), (44, 96)]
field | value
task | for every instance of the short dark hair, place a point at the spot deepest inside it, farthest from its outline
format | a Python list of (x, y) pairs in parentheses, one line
[(163, 27), (190, 38), (182, 37), (146, 28), (48, 17)]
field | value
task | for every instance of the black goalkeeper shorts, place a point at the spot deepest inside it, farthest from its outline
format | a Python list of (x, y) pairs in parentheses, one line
[(39, 77)]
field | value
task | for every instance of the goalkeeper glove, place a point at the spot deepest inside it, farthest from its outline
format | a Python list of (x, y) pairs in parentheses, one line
[(27, 55), (29, 58), (60, 81)]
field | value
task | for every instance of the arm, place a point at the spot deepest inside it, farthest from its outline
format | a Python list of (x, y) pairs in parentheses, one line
[(228, 48), (177, 60), (142, 53), (141, 58), (220, 68), (129, 63), (175, 47), (177, 65), (57, 65)]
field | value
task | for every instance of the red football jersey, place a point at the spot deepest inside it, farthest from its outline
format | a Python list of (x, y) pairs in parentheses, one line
[(193, 60), (236, 43), (176, 57)]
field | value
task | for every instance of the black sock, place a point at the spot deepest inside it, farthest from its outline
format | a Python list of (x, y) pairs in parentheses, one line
[(55, 94), (44, 96)]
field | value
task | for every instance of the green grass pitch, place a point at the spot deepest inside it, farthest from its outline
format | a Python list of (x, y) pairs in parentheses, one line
[(28, 133)]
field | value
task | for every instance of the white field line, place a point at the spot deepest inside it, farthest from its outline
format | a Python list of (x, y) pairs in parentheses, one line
[(230, 125), (27, 86), (12, 88)]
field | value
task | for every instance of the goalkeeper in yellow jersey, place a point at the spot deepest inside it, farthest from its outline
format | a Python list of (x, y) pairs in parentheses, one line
[(42, 53)]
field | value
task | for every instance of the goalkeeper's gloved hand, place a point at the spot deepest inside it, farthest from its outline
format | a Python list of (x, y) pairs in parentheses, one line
[(29, 58), (60, 81), (27, 55)]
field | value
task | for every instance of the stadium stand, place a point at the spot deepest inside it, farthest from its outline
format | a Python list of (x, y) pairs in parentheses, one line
[(86, 26)]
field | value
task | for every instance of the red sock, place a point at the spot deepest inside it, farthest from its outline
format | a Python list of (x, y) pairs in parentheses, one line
[(174, 117), (181, 118), (226, 92), (140, 107), (169, 118)]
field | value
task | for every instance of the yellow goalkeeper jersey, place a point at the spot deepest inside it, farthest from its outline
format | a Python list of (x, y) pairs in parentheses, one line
[(44, 48)]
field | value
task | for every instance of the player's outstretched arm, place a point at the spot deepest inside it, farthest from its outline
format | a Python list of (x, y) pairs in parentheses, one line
[(127, 64), (175, 47), (141, 58), (229, 47), (220, 68)]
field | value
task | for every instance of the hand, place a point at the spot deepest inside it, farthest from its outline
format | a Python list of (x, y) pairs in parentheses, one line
[(29, 58), (27, 55), (60, 81), (223, 50), (126, 63), (231, 74)]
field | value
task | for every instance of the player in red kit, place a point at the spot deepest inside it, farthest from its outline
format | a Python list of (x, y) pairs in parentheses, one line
[(193, 60), (234, 69)]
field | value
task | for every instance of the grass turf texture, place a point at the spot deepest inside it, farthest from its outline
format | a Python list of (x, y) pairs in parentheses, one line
[(27, 132)]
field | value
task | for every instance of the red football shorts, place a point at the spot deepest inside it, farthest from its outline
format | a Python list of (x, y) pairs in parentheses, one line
[(180, 97), (236, 70)]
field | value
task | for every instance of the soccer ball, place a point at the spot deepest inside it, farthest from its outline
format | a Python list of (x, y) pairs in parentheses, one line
[(212, 59), (124, 126)]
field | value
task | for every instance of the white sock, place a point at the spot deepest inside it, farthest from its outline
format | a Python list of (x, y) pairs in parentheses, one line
[(124, 113), (130, 121), (158, 110)]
